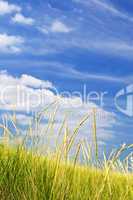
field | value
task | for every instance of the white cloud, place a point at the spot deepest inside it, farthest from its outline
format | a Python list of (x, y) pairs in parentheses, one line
[(15, 94), (7, 8), (10, 43), (21, 19), (34, 82), (60, 27), (56, 27), (23, 93), (25, 80)]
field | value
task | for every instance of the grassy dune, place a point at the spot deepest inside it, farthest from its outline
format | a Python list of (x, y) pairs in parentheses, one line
[(26, 176)]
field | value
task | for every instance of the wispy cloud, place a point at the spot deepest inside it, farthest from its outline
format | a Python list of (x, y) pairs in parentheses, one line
[(108, 46), (7, 8), (103, 44), (21, 19), (68, 71), (109, 7), (105, 6)]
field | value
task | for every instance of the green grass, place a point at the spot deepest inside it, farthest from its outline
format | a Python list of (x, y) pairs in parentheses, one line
[(26, 176)]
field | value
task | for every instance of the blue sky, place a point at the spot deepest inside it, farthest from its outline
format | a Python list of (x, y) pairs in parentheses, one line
[(72, 43)]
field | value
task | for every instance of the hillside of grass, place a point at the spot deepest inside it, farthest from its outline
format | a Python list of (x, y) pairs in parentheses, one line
[(26, 176)]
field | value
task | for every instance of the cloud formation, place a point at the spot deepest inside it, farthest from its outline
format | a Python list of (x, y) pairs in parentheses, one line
[(56, 26), (7, 8), (23, 95), (60, 27), (33, 82), (21, 19), (10, 43)]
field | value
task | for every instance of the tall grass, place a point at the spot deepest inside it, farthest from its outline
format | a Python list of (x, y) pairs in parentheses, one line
[(26, 174)]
